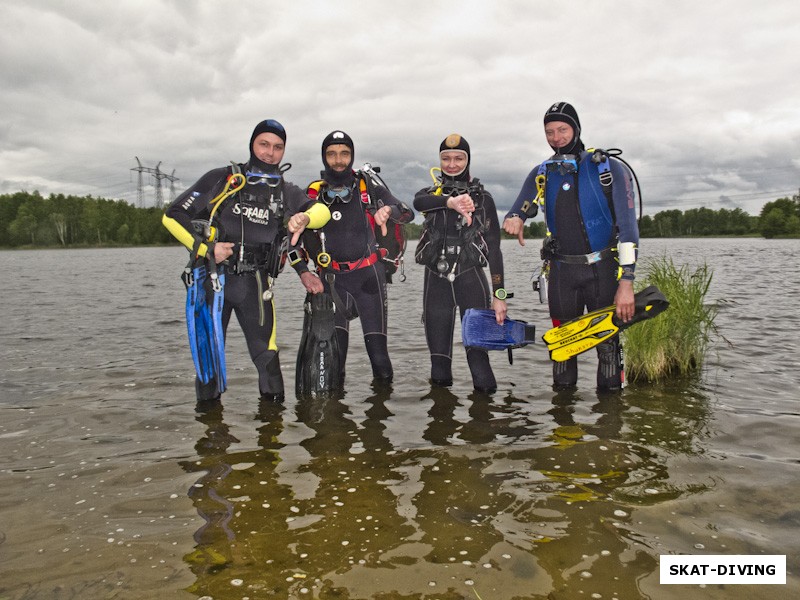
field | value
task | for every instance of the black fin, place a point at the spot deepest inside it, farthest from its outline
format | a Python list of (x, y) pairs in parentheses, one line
[(318, 370)]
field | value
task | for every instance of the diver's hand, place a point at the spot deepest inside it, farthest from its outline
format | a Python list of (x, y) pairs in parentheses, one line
[(382, 217), (311, 282), (222, 251), (297, 225), (515, 226), (500, 309), (624, 300), (463, 205)]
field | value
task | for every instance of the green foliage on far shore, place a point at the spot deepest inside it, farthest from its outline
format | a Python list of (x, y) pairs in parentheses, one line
[(674, 343), (698, 222), (780, 218), (29, 220)]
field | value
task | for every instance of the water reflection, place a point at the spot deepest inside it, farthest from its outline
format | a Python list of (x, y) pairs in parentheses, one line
[(741, 444), (490, 419), (243, 505), (216, 510), (492, 501)]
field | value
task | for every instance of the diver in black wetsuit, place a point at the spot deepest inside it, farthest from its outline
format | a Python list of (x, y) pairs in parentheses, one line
[(346, 251), (592, 239), (251, 229), (460, 237)]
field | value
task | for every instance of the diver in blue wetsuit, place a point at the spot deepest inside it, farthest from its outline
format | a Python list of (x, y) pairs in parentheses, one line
[(346, 252), (244, 236), (460, 238), (593, 236)]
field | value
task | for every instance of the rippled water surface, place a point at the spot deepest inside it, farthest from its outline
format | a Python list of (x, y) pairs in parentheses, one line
[(113, 485)]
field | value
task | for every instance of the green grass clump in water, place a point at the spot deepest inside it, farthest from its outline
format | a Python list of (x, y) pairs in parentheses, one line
[(673, 343)]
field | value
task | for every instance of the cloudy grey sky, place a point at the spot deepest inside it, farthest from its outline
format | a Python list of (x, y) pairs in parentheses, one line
[(704, 97)]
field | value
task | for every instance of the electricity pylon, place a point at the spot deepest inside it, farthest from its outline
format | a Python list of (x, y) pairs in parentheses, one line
[(158, 176)]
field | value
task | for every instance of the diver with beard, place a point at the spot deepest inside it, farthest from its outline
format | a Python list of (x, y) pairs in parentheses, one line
[(234, 221), (346, 251), (591, 247), (460, 237)]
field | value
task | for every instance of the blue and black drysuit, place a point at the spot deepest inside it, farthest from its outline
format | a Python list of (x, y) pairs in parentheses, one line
[(585, 224)]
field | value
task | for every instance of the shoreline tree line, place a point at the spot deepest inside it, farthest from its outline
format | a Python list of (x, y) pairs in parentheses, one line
[(29, 220)]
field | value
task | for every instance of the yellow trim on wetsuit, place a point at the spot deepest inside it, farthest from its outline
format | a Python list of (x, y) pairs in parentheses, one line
[(318, 216), (233, 184), (272, 345), (183, 236)]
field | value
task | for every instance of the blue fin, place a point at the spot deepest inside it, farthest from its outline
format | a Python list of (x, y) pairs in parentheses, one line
[(204, 327), (479, 329), (198, 323), (217, 332), (191, 324)]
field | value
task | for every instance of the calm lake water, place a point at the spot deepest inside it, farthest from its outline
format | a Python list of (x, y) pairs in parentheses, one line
[(112, 485)]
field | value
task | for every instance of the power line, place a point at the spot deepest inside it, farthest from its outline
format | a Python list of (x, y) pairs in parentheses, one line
[(158, 177)]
